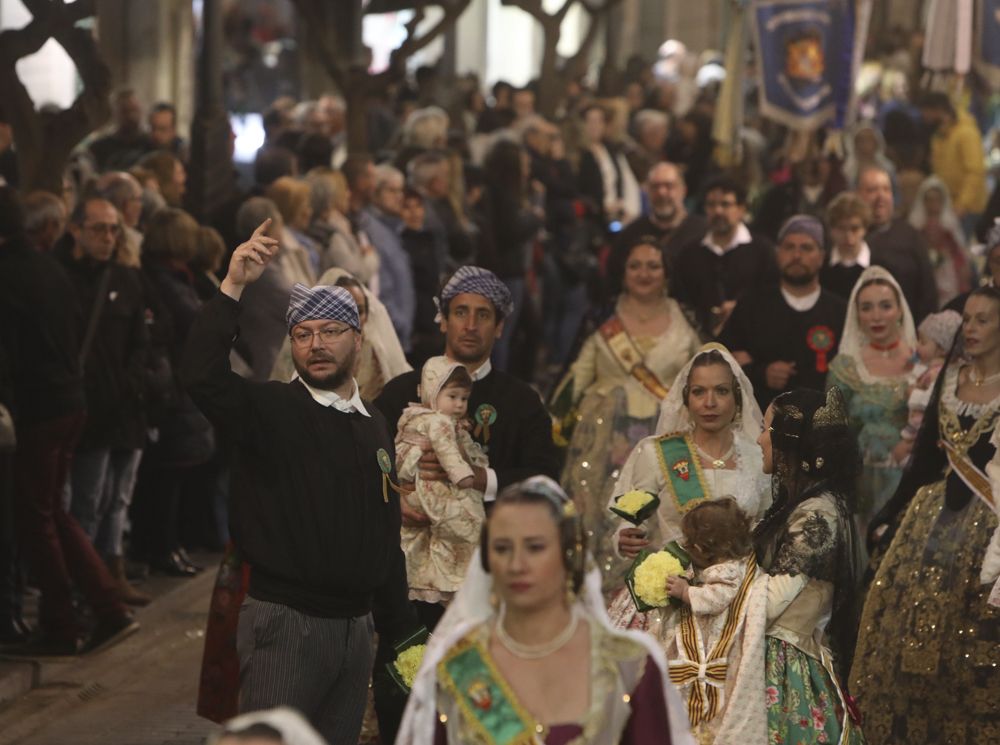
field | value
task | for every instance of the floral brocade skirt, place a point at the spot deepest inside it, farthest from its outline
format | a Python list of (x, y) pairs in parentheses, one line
[(803, 703), (926, 664), (602, 440)]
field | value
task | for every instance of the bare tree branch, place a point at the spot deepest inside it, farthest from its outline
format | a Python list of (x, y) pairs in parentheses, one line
[(45, 140), (413, 45), (575, 65)]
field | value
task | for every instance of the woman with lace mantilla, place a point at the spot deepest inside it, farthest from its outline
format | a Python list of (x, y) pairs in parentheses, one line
[(710, 421), (807, 545), (926, 661), (525, 654), (871, 369)]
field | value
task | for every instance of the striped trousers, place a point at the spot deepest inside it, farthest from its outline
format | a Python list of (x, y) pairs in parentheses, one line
[(319, 666)]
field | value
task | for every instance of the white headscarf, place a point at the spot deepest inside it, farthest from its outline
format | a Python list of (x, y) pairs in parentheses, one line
[(949, 219), (854, 339), (294, 729), (471, 607), (674, 415), (852, 166)]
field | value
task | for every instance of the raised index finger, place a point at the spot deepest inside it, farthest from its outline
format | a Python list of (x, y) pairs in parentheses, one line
[(260, 229)]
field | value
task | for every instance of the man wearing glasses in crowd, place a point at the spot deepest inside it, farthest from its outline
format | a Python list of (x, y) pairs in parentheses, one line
[(313, 507)]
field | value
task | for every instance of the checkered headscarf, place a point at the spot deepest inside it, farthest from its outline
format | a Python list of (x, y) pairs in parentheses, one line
[(325, 303), (478, 281)]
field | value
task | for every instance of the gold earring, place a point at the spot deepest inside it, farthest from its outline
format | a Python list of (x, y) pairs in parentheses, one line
[(570, 593), (494, 601)]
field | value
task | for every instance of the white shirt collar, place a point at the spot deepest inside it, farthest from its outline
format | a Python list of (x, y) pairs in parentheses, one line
[(482, 371), (863, 259), (741, 236), (330, 398), (804, 302)]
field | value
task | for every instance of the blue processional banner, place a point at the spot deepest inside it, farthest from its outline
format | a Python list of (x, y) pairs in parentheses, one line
[(987, 31), (808, 54)]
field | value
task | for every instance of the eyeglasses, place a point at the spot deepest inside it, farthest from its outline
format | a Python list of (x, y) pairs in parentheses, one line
[(303, 338), (98, 228), (724, 205)]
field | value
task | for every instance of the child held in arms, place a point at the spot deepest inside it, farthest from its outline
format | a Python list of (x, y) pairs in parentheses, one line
[(438, 554), (715, 642), (935, 335)]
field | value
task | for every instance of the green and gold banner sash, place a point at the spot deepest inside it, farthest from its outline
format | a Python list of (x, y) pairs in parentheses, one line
[(485, 700), (627, 354), (682, 469)]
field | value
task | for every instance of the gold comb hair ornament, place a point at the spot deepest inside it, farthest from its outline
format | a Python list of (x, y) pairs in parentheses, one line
[(833, 413)]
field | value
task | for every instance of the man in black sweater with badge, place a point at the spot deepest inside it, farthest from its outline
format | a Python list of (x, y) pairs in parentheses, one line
[(313, 510), (785, 335)]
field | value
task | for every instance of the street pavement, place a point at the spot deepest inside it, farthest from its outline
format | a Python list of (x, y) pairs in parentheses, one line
[(140, 692)]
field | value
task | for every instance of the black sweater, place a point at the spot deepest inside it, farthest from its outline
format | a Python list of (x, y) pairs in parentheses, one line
[(116, 359), (769, 329), (702, 279), (307, 507), (520, 443)]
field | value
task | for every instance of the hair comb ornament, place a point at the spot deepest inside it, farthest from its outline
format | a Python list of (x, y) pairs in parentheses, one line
[(833, 413)]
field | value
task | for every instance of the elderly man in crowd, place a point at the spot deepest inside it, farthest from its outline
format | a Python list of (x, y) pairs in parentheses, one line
[(114, 355), (667, 220), (44, 219), (786, 335), (313, 511), (897, 245)]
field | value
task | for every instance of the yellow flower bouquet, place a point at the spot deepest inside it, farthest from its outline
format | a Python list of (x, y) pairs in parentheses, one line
[(647, 577), (409, 654), (635, 506)]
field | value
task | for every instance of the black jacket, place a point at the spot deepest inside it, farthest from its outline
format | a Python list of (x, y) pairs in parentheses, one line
[(40, 323), (115, 363)]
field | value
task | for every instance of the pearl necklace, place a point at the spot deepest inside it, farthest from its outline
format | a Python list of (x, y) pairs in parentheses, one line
[(978, 382), (721, 461), (535, 651)]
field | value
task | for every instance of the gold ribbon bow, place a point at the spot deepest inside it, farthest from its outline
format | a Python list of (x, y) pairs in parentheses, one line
[(707, 678)]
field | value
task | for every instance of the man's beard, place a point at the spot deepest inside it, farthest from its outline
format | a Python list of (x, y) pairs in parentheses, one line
[(799, 280), (719, 226), (331, 381), (666, 213)]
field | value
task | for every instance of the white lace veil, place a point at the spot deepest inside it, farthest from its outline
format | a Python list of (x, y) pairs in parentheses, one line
[(949, 218), (853, 338), (471, 607), (674, 416)]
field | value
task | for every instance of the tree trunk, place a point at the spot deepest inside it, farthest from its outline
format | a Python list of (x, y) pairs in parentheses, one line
[(549, 80)]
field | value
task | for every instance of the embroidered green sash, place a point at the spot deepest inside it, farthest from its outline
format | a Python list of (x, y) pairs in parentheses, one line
[(682, 469), (485, 700)]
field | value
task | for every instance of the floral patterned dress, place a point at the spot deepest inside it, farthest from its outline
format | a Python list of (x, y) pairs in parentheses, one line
[(805, 703), (878, 411)]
